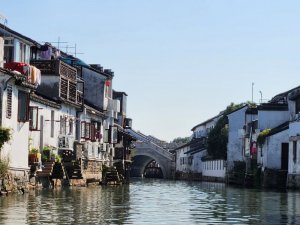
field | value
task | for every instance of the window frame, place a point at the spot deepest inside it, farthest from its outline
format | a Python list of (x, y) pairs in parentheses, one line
[(87, 131), (63, 125), (31, 108), (9, 101), (26, 110), (82, 129)]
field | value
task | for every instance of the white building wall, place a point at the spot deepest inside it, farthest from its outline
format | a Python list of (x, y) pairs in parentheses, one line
[(236, 121), (197, 161), (271, 119), (91, 148), (45, 113), (179, 155), (66, 111), (17, 148), (294, 162), (1, 52), (271, 150)]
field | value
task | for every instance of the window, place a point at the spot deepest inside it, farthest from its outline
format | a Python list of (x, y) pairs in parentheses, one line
[(105, 136), (23, 106), (52, 123), (93, 132), (87, 130), (63, 125), (9, 102), (82, 129), (33, 117), (294, 151), (22, 52), (9, 49), (71, 126)]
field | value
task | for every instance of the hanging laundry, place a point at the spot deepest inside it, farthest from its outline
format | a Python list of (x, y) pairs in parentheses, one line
[(22, 68), (33, 74), (38, 76), (45, 52)]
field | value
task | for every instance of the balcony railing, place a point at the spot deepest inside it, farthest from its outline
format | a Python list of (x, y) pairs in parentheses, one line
[(56, 67)]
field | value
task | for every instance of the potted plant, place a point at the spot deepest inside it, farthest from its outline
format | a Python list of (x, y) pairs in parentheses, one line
[(57, 158), (34, 155), (46, 153)]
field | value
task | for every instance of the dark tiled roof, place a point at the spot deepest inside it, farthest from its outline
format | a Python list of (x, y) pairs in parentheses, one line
[(38, 98), (207, 121), (8, 30), (21, 79), (279, 128), (273, 107)]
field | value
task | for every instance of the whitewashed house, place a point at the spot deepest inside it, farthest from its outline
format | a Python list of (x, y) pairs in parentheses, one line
[(16, 85), (238, 147), (293, 178), (51, 125), (273, 152), (182, 162), (14, 98), (198, 144)]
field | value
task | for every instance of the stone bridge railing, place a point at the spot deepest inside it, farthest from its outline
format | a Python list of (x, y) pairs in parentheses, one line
[(156, 148)]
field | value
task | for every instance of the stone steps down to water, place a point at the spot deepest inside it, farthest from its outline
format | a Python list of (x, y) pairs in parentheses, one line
[(73, 170), (46, 170), (111, 176)]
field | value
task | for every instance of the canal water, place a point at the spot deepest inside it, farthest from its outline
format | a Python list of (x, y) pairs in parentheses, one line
[(147, 201)]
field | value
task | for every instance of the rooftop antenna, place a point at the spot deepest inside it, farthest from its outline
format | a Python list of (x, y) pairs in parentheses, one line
[(252, 92), (75, 50), (58, 42)]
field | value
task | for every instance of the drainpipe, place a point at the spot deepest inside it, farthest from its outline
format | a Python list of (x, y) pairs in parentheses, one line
[(6, 82), (78, 112)]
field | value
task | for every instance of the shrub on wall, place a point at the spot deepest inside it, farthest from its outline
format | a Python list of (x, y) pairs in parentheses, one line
[(5, 136), (4, 166), (262, 136)]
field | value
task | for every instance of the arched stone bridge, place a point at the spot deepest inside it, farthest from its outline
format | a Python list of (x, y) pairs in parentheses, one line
[(145, 152)]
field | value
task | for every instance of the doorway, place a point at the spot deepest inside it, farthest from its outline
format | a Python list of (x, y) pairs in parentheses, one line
[(284, 156)]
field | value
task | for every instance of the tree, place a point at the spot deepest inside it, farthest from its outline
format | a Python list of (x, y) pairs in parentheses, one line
[(181, 140), (218, 137)]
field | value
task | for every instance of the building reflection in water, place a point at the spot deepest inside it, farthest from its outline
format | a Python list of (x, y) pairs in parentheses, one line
[(148, 201)]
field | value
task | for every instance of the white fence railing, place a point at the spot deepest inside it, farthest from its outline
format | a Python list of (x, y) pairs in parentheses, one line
[(214, 168)]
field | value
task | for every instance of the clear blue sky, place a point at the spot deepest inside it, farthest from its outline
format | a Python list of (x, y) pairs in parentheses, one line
[(180, 62)]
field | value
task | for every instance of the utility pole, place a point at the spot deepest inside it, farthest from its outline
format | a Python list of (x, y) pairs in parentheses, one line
[(261, 98), (252, 93)]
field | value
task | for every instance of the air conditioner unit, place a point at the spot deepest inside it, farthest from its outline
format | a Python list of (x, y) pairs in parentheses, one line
[(63, 142), (102, 147)]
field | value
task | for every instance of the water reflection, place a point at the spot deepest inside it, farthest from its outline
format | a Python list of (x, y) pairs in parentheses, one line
[(152, 202)]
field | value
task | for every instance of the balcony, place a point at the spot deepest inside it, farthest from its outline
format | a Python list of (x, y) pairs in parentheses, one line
[(55, 67)]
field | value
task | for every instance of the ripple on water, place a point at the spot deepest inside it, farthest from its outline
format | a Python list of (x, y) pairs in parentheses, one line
[(152, 202)]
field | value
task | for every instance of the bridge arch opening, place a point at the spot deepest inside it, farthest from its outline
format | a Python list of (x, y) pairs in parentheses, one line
[(153, 170), (140, 163)]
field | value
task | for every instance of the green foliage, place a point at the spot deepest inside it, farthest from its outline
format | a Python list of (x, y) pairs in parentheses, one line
[(181, 140), (262, 136), (34, 150), (218, 136), (5, 136), (4, 166)]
